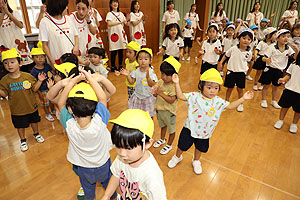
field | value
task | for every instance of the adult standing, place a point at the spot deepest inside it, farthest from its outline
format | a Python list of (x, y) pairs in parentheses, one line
[(170, 16), (291, 15), (255, 16), (219, 13), (136, 26), (193, 16)]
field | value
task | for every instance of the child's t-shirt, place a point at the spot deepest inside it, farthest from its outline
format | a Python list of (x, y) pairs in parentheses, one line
[(21, 97), (210, 55), (161, 104), (227, 43), (172, 48), (145, 181), (263, 47), (48, 71), (142, 89), (238, 61), (188, 32), (99, 69), (88, 147), (294, 83), (279, 59), (203, 114), (130, 67)]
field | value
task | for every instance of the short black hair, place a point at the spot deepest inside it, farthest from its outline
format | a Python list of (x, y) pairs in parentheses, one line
[(298, 59), (81, 107), (296, 26), (55, 7), (127, 138), (98, 51), (75, 70), (43, 1), (111, 1), (245, 34), (69, 57), (212, 27), (168, 27), (37, 55), (167, 68), (169, 3)]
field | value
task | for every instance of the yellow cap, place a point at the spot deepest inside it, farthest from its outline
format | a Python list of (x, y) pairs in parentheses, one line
[(212, 75), (136, 119), (37, 51), (104, 62), (83, 90), (40, 45), (148, 50), (12, 53), (172, 61), (65, 68), (133, 45)]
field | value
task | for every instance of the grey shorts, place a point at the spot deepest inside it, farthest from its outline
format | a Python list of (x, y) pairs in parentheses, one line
[(166, 118)]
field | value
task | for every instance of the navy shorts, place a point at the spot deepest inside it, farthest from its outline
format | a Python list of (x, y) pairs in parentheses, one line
[(206, 66), (289, 99), (188, 42), (186, 141), (23, 121), (235, 78)]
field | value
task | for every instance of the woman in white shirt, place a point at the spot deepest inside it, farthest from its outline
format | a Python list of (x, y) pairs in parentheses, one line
[(255, 16), (193, 16), (170, 16), (219, 14), (136, 26), (291, 14)]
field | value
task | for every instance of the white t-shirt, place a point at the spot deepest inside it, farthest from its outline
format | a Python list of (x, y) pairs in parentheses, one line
[(210, 55), (251, 18), (294, 83), (294, 15), (260, 34), (253, 44), (279, 60), (172, 48), (99, 69), (238, 59), (218, 17), (137, 32), (143, 182), (193, 17), (172, 17), (99, 18), (187, 32), (227, 43), (263, 47)]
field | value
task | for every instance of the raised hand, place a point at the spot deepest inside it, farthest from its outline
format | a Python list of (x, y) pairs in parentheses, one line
[(175, 78), (66, 81), (50, 83), (248, 95), (124, 72), (42, 76)]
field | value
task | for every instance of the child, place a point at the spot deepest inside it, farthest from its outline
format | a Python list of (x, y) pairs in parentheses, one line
[(276, 61), (239, 56), (166, 103), (170, 16), (290, 96), (188, 35), (204, 111), (84, 115), (20, 87), (261, 49), (173, 43), (253, 45), (145, 78), (194, 18), (135, 169), (136, 26), (261, 27), (210, 49), (97, 60), (39, 58), (296, 35)]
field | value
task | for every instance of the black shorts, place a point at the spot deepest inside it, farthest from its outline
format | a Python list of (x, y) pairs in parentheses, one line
[(206, 66), (289, 99), (23, 121), (186, 141), (188, 42), (167, 56), (259, 64), (235, 78), (270, 75)]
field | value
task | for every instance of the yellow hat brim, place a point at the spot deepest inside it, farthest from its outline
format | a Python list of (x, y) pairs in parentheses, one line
[(12, 53), (65, 68), (148, 50), (133, 46), (172, 61), (37, 51), (212, 75), (86, 92)]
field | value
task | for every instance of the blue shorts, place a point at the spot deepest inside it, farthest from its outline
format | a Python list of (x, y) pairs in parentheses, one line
[(90, 176)]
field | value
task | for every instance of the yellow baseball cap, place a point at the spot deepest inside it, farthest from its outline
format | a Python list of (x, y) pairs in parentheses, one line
[(12, 53), (133, 45), (172, 61), (37, 51), (65, 68), (148, 50), (136, 119), (83, 90), (212, 75)]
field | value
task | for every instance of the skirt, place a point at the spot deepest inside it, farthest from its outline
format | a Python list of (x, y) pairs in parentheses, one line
[(146, 104)]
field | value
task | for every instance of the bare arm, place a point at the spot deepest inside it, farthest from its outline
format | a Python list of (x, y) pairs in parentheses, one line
[(48, 54), (111, 188), (1, 17), (179, 93), (110, 24), (41, 15), (248, 95), (110, 88), (220, 63), (150, 82), (15, 20), (167, 98)]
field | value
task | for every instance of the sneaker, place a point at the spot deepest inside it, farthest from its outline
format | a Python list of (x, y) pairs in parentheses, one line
[(264, 103), (196, 60), (278, 124), (197, 166), (248, 77), (159, 143), (255, 87), (240, 108), (174, 161), (275, 104), (24, 146), (293, 128), (165, 150), (261, 87), (182, 58), (49, 117), (80, 194), (188, 59), (221, 73), (39, 138)]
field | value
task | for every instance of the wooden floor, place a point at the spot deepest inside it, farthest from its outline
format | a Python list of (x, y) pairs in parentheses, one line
[(247, 159)]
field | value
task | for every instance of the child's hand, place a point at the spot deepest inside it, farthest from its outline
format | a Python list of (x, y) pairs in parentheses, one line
[(66, 81), (198, 39), (248, 95), (217, 51), (154, 90), (124, 72), (43, 9), (75, 50), (78, 78), (50, 83), (254, 57), (294, 46), (117, 73), (158, 90), (98, 77), (175, 78), (268, 61), (201, 52), (272, 15), (281, 81), (42, 76)]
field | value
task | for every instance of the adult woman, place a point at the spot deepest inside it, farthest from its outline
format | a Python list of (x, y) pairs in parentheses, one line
[(291, 15), (219, 14), (193, 16), (255, 16), (136, 25)]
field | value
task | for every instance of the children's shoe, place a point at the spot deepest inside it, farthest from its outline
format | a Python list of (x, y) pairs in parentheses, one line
[(188, 59), (221, 73), (165, 150), (197, 166), (240, 108), (275, 104), (182, 58), (80, 194), (264, 103), (159, 143), (39, 138), (255, 87), (49, 117), (278, 124), (248, 77), (293, 128), (196, 60), (174, 161), (261, 87), (24, 146)]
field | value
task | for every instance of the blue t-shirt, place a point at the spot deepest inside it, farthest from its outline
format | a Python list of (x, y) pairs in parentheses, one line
[(47, 70)]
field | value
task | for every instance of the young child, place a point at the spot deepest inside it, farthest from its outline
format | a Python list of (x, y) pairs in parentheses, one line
[(210, 49), (261, 27), (188, 35), (135, 169), (276, 61), (237, 67), (39, 58), (259, 53), (296, 35), (166, 103), (173, 43), (97, 60), (84, 115), (170, 16), (253, 45), (145, 78), (204, 111), (290, 96), (20, 87)]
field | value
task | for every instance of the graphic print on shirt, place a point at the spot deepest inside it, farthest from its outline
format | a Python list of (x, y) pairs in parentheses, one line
[(23, 85)]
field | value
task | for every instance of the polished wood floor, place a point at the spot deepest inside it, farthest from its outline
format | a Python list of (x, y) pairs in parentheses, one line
[(247, 159)]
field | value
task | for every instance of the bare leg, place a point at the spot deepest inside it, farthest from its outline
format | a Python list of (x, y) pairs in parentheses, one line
[(46, 109), (274, 92), (197, 154), (163, 131), (296, 118), (21, 132), (35, 127), (250, 68), (171, 138), (189, 51), (257, 75), (228, 93), (178, 153), (283, 112), (264, 92), (240, 92), (52, 106)]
